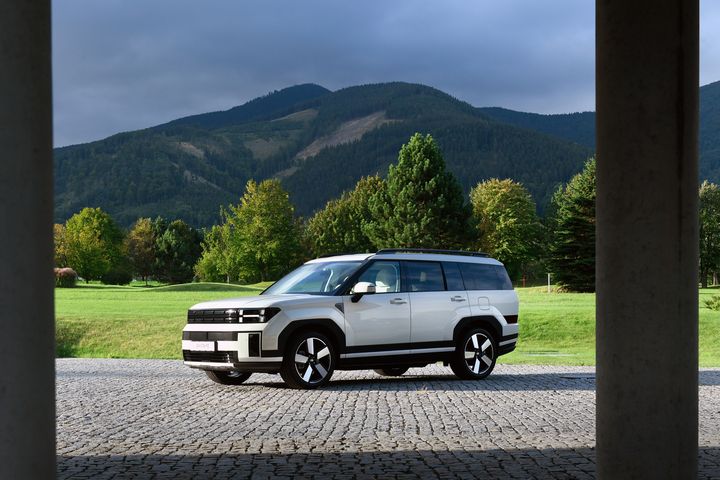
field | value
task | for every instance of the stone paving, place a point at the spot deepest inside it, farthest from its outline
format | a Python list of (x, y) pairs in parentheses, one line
[(160, 419)]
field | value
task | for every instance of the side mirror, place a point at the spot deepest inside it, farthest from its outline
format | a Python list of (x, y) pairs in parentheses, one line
[(360, 289)]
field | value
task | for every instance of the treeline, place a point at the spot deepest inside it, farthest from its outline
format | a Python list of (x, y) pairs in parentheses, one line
[(419, 204), (92, 245)]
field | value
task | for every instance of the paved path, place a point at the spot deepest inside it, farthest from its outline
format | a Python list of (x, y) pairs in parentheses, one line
[(154, 418)]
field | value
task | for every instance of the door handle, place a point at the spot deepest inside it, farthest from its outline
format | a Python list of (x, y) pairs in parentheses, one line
[(397, 301), (457, 299)]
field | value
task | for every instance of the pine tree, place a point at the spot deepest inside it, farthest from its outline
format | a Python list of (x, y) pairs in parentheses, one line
[(709, 230), (177, 249), (572, 251), (423, 205)]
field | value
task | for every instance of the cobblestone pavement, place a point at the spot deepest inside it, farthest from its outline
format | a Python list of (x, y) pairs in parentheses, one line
[(160, 419)]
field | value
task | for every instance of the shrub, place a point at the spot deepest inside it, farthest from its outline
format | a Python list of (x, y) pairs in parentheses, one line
[(713, 303), (65, 277), (117, 276)]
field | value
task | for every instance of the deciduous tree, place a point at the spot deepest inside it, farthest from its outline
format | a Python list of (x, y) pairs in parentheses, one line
[(338, 228), (140, 248), (93, 243), (506, 222), (264, 235)]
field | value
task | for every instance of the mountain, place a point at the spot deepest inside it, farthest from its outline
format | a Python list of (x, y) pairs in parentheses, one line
[(580, 127), (317, 141), (576, 127), (710, 132), (273, 105)]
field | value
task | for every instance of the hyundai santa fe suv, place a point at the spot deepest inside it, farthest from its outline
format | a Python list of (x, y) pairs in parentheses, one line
[(388, 311)]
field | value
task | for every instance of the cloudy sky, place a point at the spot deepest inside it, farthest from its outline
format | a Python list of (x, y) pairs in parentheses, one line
[(127, 64)]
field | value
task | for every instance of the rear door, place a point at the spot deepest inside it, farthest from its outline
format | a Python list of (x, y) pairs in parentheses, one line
[(436, 296)]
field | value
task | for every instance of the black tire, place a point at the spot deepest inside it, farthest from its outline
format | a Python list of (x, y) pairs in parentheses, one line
[(474, 359), (391, 371), (227, 378), (309, 361)]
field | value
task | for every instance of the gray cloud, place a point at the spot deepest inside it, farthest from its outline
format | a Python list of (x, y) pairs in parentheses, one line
[(121, 65)]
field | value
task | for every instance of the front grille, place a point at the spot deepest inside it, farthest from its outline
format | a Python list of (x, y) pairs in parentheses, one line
[(213, 357), (213, 316), (232, 315)]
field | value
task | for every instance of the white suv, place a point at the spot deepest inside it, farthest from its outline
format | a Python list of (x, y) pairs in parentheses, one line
[(389, 311)]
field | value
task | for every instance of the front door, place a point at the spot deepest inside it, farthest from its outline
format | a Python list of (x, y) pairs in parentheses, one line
[(378, 323)]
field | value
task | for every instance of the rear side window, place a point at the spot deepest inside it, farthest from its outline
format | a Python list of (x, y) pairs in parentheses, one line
[(424, 276), (452, 276), (478, 276)]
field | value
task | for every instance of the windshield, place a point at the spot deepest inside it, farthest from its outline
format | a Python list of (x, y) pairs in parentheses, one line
[(314, 278)]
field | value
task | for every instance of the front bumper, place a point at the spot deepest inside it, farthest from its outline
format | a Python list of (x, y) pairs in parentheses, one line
[(226, 350)]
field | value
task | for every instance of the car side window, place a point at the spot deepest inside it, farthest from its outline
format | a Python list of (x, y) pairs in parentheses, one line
[(424, 277), (480, 276), (385, 275), (453, 279)]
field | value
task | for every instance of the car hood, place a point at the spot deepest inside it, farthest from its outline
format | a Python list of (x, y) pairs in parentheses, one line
[(260, 301)]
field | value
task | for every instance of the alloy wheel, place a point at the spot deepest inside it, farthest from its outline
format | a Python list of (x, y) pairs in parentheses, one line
[(479, 353), (313, 360)]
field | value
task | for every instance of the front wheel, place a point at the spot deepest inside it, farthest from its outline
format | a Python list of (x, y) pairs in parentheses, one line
[(227, 378), (309, 361), (391, 371), (475, 355)]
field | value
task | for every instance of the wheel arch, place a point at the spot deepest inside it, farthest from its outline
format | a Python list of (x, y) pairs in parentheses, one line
[(488, 322), (321, 325)]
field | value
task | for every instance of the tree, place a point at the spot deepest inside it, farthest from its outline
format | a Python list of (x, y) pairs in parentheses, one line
[(263, 235), (572, 250), (140, 248), (339, 227), (93, 243), (507, 224), (60, 245), (177, 249), (423, 205), (217, 262), (709, 230)]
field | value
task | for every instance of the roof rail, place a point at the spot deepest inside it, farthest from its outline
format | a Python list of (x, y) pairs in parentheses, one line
[(432, 250), (340, 254)]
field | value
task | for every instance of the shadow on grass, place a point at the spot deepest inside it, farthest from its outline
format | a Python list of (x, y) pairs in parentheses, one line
[(576, 463), (67, 339)]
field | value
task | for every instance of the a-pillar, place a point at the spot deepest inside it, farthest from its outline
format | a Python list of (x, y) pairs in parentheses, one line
[(27, 371), (647, 238)]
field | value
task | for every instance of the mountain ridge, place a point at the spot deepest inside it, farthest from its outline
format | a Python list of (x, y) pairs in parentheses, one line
[(319, 143)]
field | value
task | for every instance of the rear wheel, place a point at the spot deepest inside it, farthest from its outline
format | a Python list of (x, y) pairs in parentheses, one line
[(227, 378), (309, 361), (475, 355), (391, 371)]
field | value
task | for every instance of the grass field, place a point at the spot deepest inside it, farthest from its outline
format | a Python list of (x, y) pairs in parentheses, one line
[(138, 322)]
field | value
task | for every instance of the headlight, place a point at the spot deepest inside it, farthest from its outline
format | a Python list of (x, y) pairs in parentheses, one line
[(258, 315), (267, 313)]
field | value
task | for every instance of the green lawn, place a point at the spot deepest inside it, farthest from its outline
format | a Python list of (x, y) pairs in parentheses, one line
[(131, 322), (138, 322)]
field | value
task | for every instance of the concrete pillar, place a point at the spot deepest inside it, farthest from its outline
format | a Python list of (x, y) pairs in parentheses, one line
[(27, 367), (647, 239)]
